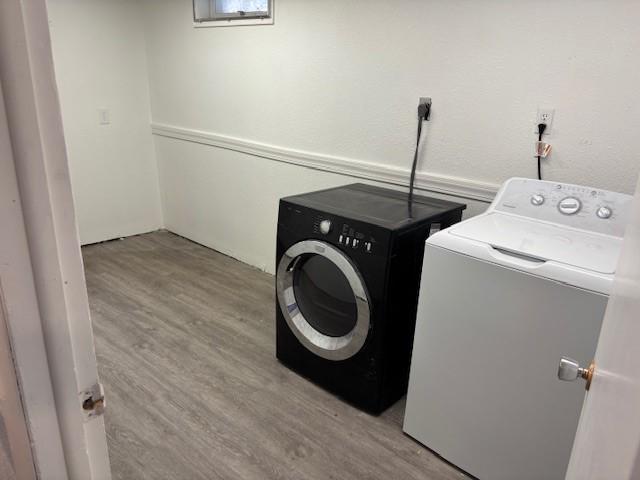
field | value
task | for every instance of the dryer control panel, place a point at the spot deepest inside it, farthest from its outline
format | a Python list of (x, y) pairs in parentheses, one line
[(575, 206), (348, 234)]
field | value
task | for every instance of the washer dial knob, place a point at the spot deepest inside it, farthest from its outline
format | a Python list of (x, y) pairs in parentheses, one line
[(569, 205), (604, 212), (537, 200), (325, 226)]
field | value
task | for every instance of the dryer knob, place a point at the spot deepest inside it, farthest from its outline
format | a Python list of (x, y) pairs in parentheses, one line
[(325, 226)]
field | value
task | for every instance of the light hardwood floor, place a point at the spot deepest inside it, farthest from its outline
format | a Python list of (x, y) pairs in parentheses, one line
[(185, 342)]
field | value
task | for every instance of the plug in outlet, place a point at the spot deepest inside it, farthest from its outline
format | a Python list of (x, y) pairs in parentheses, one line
[(424, 108), (545, 115)]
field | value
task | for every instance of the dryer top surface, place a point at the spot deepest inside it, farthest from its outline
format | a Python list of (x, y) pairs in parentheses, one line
[(378, 206)]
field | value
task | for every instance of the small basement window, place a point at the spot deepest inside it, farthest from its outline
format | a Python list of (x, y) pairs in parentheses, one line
[(223, 13)]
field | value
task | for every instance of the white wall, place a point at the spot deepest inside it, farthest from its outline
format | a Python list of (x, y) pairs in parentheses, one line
[(100, 62), (342, 79)]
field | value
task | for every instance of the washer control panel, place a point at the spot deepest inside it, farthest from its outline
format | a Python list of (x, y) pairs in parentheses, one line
[(576, 206)]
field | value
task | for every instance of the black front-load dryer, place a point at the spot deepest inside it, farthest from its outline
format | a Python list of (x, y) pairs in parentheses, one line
[(348, 266)]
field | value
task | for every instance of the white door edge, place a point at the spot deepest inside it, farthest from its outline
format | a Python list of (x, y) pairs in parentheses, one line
[(607, 443), (35, 127), (22, 319)]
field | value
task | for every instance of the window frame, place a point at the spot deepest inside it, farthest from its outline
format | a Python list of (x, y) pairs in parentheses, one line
[(233, 19)]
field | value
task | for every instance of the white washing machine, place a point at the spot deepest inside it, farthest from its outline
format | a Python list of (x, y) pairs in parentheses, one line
[(503, 297)]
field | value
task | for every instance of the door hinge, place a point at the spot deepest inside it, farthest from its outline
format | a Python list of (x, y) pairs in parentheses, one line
[(92, 401)]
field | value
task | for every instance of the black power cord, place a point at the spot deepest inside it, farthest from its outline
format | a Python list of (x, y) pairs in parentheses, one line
[(541, 128), (424, 113)]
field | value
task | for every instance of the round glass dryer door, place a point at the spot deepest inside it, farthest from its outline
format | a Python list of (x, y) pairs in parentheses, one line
[(323, 299)]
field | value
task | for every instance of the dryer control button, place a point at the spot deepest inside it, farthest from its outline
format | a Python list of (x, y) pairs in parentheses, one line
[(325, 226), (569, 205)]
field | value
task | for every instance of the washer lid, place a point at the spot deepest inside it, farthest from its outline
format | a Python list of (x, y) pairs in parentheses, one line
[(543, 241)]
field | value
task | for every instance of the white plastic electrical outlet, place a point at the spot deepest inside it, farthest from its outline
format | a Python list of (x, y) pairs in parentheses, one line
[(104, 116), (545, 115)]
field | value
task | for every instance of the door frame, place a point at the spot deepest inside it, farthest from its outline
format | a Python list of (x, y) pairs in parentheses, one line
[(35, 132), (23, 325), (13, 419)]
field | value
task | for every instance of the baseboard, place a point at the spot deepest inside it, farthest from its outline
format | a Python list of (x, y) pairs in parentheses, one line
[(114, 237), (444, 184)]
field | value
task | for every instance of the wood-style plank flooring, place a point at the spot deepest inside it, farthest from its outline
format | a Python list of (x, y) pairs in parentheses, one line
[(185, 340)]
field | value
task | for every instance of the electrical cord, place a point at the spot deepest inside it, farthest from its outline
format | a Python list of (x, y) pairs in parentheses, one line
[(424, 111), (541, 128), (413, 168)]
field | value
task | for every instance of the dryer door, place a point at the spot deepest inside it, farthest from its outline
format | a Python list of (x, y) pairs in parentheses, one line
[(323, 299)]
